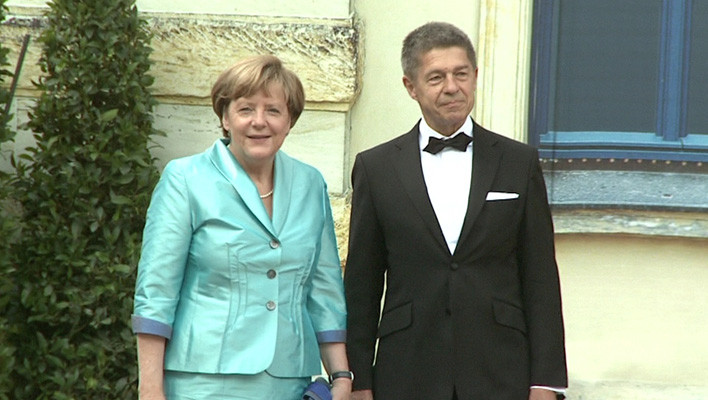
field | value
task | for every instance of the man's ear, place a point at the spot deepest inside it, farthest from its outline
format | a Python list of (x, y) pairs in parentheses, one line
[(410, 87)]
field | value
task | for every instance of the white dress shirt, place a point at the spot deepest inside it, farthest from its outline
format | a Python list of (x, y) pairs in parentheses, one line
[(447, 175)]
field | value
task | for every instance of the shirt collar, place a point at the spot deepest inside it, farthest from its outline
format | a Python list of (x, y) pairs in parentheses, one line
[(426, 131)]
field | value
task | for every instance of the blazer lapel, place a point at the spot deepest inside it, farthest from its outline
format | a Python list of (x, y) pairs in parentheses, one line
[(485, 162), (282, 192), (410, 172), (232, 171)]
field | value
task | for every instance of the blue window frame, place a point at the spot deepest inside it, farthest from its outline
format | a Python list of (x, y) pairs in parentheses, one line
[(620, 79)]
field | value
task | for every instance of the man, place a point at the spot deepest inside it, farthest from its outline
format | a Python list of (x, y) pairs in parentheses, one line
[(461, 238)]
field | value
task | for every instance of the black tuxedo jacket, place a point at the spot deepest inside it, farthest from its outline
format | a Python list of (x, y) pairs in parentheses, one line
[(485, 320)]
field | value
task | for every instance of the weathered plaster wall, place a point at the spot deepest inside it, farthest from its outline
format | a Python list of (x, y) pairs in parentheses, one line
[(191, 50), (281, 8)]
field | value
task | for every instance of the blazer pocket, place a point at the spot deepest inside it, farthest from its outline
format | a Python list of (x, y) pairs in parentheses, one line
[(396, 319), (509, 315)]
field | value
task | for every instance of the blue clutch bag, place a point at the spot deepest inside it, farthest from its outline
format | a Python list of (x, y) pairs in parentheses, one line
[(317, 390)]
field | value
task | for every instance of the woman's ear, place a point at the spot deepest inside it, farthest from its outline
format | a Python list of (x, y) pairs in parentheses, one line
[(225, 119)]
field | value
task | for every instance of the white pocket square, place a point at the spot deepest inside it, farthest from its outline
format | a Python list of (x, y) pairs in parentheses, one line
[(492, 196)]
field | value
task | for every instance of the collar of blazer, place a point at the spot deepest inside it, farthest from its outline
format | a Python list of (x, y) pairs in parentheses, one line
[(486, 158), (231, 170)]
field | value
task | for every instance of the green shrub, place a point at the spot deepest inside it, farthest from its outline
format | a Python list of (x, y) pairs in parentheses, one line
[(7, 226), (83, 191)]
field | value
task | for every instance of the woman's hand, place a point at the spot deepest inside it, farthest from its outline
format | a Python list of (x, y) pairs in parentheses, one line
[(334, 358), (341, 389), (151, 358), (151, 395)]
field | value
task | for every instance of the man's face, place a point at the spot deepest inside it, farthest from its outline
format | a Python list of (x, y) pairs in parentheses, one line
[(444, 87)]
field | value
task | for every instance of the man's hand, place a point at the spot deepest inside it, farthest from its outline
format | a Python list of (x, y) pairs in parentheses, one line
[(362, 395), (542, 394)]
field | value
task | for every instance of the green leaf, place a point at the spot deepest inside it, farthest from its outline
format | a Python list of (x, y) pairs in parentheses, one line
[(120, 199), (76, 229), (122, 268), (109, 115)]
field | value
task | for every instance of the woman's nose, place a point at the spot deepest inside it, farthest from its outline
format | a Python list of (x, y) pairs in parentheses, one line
[(258, 118)]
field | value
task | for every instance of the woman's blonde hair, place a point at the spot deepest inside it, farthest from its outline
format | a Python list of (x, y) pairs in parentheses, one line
[(249, 76)]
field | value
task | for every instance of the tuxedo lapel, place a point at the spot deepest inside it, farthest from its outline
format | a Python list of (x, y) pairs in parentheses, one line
[(407, 164), (226, 164), (485, 162)]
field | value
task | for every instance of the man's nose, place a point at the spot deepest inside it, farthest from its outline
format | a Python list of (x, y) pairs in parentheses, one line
[(451, 85)]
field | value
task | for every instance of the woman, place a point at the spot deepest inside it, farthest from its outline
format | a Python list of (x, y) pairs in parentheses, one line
[(239, 281)]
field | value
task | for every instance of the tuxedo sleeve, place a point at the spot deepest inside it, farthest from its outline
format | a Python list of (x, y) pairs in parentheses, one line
[(363, 276), (541, 285)]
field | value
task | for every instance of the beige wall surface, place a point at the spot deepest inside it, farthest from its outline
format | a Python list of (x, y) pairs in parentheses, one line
[(383, 109), (636, 316), (500, 30)]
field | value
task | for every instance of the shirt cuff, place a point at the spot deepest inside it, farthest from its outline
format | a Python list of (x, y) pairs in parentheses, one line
[(338, 336), (558, 390), (151, 327)]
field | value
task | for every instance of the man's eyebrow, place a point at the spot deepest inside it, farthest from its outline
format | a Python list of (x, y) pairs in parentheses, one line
[(442, 71)]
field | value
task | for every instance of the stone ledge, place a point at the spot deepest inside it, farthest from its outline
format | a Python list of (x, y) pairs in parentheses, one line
[(631, 202), (190, 50), (633, 190), (615, 221)]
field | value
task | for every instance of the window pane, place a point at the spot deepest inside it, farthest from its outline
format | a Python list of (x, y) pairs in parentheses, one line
[(698, 70), (607, 65)]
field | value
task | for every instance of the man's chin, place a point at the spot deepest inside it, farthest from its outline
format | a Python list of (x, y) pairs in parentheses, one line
[(456, 118)]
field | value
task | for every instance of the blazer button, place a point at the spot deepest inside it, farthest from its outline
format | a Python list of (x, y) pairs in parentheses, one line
[(270, 305), (274, 244), (271, 274), (454, 266)]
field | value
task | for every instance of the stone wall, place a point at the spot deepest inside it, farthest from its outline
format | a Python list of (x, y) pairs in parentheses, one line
[(190, 51)]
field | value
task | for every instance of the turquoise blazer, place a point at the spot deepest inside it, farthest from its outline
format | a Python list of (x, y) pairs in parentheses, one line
[(233, 290)]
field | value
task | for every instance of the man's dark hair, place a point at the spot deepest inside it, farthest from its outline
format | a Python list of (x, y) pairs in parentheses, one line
[(433, 35)]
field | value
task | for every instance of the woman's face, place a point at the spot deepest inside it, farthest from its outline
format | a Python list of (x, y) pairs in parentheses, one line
[(258, 125)]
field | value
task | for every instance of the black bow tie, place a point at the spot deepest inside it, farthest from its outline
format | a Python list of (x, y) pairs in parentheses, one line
[(459, 142)]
